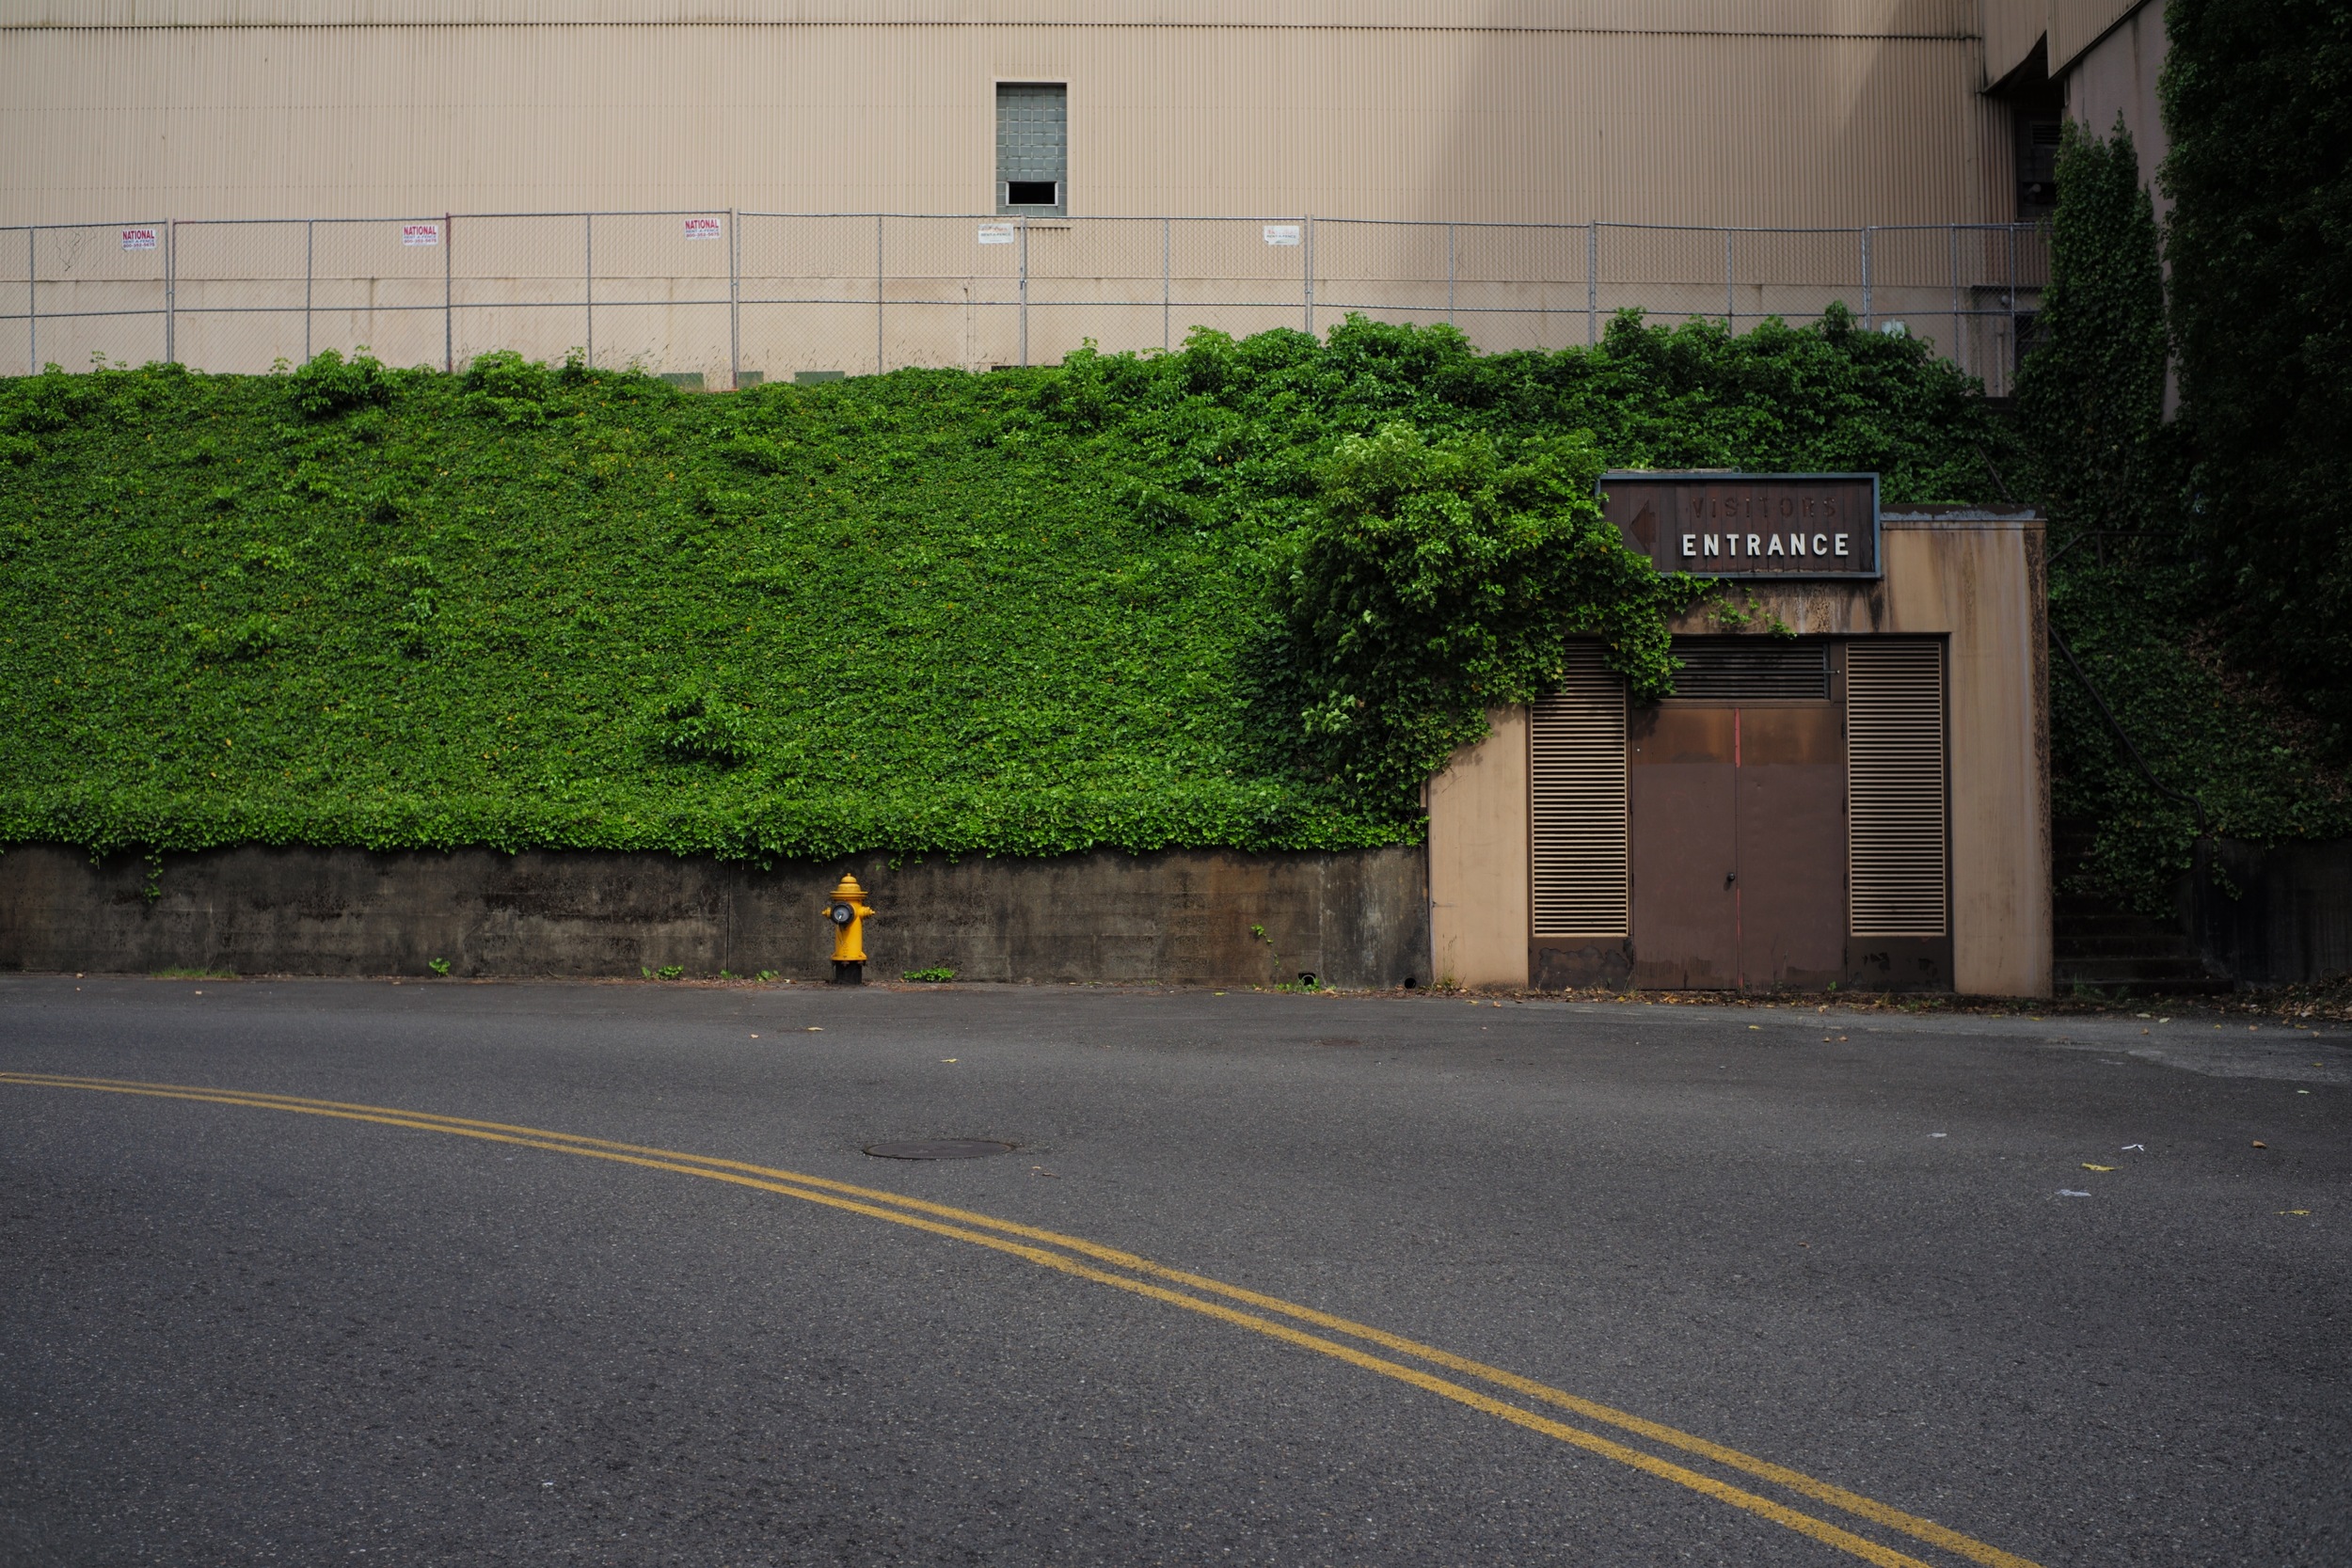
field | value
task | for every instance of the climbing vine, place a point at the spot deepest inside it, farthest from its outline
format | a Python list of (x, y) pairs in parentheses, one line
[(1246, 593), (2257, 97), (2132, 595)]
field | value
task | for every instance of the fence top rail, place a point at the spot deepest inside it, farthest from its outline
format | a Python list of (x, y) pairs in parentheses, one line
[(605, 213), (1056, 221), (280, 223), (2038, 227), (127, 223)]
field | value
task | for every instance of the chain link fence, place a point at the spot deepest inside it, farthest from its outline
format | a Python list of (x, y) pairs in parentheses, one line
[(721, 299)]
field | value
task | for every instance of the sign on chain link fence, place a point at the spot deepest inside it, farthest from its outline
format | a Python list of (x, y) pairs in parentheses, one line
[(723, 299)]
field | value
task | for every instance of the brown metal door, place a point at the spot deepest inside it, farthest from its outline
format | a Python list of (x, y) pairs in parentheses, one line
[(1791, 764), (1685, 851)]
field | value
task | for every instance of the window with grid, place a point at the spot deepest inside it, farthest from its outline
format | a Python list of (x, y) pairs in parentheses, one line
[(1032, 148)]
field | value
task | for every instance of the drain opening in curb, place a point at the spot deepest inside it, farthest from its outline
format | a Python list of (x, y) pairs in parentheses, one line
[(938, 1148)]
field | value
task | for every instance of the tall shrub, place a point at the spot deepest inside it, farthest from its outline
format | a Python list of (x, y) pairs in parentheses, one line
[(2257, 97), (2091, 398)]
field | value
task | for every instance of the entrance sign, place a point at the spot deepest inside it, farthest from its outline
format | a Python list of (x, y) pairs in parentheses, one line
[(1733, 525)]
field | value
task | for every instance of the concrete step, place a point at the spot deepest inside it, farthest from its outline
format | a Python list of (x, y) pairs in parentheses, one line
[(2166, 986), (2101, 903), (2139, 948), (2131, 969), (2118, 926)]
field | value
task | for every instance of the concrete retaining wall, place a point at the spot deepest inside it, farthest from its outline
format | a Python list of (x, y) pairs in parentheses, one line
[(2291, 921), (1359, 918)]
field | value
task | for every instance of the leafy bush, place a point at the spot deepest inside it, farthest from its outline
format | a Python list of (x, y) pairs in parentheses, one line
[(1436, 580), (1024, 612), (330, 385), (412, 622), (929, 976), (509, 387), (694, 726)]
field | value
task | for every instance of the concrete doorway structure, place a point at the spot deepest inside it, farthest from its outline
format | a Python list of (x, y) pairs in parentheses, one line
[(1864, 803)]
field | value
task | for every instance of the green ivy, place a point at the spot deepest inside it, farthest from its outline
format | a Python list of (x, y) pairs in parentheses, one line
[(2129, 589), (1436, 581), (1024, 612), (2257, 97), (2093, 395)]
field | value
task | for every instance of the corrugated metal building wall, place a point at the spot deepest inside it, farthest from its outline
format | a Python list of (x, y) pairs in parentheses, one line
[(2064, 28), (1770, 112)]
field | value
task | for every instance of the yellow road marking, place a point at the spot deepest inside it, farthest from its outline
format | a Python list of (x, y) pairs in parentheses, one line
[(893, 1207)]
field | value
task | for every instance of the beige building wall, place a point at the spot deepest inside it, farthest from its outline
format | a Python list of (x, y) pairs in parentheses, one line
[(1973, 577), (1778, 113), (2065, 28), (1478, 915)]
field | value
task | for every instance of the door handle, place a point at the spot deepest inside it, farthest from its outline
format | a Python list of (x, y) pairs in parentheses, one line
[(1729, 878)]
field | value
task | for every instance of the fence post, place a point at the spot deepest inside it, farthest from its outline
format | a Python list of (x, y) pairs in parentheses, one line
[(449, 328), (735, 302), (32, 300), (1025, 293), (1165, 297), (1960, 346), (1307, 274), (2009, 293), (309, 273), (1450, 273), (1592, 282), (588, 281), (1866, 277), (171, 290), (1728, 297), (878, 293)]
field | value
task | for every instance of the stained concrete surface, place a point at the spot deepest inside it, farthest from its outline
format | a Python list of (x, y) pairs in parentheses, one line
[(1359, 918)]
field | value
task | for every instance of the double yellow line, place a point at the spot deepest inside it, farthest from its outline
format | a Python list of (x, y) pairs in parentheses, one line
[(1267, 1315)]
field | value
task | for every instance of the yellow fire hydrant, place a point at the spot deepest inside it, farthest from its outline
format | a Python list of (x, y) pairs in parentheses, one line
[(848, 913)]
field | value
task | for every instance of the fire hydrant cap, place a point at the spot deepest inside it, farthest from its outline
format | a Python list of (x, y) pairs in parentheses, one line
[(849, 892)]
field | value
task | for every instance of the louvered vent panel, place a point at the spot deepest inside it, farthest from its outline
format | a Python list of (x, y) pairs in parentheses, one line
[(1576, 812), (1895, 787), (1751, 669)]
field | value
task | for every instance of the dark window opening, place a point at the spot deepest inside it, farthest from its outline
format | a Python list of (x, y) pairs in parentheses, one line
[(2037, 114), (1032, 193), (2037, 142)]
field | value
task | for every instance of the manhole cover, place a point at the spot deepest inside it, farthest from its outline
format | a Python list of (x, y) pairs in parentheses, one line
[(938, 1148)]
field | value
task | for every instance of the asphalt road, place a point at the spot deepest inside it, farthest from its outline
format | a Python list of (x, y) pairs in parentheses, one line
[(236, 1329)]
